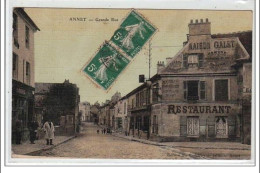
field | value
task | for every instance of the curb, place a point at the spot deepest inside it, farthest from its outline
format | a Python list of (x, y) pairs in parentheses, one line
[(33, 153), (192, 155), (158, 144)]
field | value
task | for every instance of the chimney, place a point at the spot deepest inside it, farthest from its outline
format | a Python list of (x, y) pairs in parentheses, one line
[(168, 59), (160, 66), (200, 28)]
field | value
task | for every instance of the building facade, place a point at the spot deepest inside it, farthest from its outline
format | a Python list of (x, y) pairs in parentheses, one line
[(84, 109), (22, 73), (198, 89), (121, 121)]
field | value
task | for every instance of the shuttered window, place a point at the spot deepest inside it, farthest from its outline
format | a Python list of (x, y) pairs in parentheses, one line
[(221, 90)]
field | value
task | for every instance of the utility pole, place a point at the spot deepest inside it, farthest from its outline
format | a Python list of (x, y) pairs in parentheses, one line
[(149, 59)]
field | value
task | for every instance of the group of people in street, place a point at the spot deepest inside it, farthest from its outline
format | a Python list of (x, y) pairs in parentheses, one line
[(105, 131), (34, 129)]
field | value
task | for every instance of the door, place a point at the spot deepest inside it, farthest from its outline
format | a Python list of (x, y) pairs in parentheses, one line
[(193, 126), (221, 127)]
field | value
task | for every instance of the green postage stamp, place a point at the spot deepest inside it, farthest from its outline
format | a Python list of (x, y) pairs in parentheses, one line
[(133, 33), (106, 65)]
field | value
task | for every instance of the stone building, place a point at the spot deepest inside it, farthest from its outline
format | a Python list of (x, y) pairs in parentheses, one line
[(94, 112), (139, 111), (198, 90), (22, 72), (203, 93), (121, 121), (60, 103), (84, 109)]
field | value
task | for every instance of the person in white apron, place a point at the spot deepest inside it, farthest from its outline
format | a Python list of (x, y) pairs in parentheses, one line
[(48, 128)]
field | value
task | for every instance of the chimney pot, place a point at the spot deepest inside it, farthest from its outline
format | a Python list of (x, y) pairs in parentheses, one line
[(191, 21), (201, 20), (197, 21), (207, 20)]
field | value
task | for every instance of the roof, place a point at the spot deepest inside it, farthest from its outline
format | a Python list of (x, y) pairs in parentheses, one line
[(245, 38), (26, 16)]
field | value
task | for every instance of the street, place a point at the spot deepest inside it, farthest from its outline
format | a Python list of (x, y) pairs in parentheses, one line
[(92, 145), (89, 144)]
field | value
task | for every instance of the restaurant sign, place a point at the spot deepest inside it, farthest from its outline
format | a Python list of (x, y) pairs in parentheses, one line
[(202, 109)]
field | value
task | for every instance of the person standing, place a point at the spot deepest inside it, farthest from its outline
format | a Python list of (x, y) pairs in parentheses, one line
[(48, 128)]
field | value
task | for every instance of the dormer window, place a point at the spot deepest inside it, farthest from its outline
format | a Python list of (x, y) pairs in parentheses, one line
[(192, 60)]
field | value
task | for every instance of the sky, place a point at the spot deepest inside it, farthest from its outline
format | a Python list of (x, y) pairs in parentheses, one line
[(63, 46)]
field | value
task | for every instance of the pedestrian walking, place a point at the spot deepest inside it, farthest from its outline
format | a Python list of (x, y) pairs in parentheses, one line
[(97, 131), (33, 130), (48, 128), (104, 131)]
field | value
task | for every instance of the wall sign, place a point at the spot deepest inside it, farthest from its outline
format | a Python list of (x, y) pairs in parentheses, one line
[(173, 109)]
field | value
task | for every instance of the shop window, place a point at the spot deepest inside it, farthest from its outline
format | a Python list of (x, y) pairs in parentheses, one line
[(193, 126), (28, 73), (27, 36), (15, 30), (221, 127), (221, 90)]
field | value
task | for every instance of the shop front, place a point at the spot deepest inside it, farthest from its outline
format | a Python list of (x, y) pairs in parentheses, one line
[(140, 123), (22, 111), (196, 122)]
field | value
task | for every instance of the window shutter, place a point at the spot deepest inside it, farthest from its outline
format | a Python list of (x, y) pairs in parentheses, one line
[(202, 90), (200, 60), (183, 125), (185, 89), (185, 61)]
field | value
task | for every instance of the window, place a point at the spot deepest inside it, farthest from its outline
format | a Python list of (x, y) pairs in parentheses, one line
[(125, 108), (193, 126), (192, 60), (137, 99), (15, 30), (15, 66), (28, 73), (27, 36), (155, 93), (194, 90), (221, 90)]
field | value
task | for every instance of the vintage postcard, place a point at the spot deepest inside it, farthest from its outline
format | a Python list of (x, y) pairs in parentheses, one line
[(143, 84)]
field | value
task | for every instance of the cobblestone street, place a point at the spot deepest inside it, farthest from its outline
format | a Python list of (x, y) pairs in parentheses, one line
[(92, 145)]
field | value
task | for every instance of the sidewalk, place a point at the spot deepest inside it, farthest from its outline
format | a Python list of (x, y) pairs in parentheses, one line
[(198, 145), (26, 148), (201, 150)]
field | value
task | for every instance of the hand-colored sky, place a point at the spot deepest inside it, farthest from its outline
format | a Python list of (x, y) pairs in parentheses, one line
[(63, 47)]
